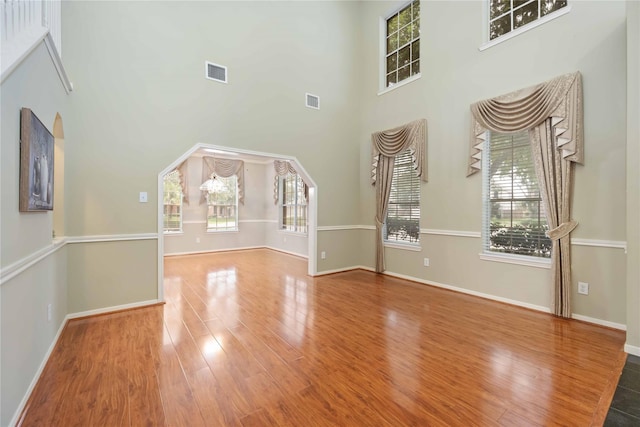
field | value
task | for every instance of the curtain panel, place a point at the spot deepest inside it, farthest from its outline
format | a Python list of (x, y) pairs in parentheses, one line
[(385, 145), (552, 113), (223, 168), (284, 168)]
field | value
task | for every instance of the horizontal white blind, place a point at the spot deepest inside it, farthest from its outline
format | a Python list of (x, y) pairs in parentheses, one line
[(514, 218), (403, 213), (222, 210), (294, 204)]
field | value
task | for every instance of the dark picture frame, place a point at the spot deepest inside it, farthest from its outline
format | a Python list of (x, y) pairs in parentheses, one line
[(36, 164)]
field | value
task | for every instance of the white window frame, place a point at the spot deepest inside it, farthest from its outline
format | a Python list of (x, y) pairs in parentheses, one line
[(281, 204), (488, 255), (403, 244), (382, 83), (237, 209), (164, 230), (516, 32)]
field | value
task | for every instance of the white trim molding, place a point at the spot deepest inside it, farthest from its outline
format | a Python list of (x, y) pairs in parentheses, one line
[(632, 349), (18, 267), (208, 251), (112, 309), (454, 233), (346, 227), (38, 373), (606, 323), (112, 238), (614, 244), (528, 261)]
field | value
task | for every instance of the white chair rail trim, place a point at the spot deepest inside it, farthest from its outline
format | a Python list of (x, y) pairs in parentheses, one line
[(12, 270)]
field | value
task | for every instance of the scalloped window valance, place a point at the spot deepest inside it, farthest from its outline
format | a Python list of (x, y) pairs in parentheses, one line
[(223, 168), (559, 99)]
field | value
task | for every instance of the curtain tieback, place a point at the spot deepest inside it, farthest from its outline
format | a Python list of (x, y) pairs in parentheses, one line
[(562, 230), (379, 223)]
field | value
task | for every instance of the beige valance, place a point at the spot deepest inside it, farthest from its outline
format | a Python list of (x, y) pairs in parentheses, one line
[(183, 174), (284, 168), (223, 168), (411, 136), (559, 99)]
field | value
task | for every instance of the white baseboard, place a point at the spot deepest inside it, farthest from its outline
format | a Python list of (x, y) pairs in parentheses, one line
[(342, 270), (36, 377), (213, 251), (236, 249), (112, 309), (600, 322), (631, 349)]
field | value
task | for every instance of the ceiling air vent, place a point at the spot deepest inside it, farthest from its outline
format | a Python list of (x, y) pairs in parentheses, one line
[(216, 72), (313, 101)]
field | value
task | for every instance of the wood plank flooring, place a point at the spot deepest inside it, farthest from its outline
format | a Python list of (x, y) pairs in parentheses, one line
[(248, 339)]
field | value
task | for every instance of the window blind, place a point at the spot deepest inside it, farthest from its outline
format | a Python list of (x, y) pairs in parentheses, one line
[(514, 218), (403, 212)]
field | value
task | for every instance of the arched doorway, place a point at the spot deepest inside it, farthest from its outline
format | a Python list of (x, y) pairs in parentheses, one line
[(312, 202)]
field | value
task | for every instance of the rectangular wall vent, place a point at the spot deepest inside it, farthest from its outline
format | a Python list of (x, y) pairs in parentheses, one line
[(215, 72), (313, 101)]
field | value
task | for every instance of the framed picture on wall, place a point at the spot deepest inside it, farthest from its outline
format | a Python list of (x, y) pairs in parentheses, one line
[(36, 164)]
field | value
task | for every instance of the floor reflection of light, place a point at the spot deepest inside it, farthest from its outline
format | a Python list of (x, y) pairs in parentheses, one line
[(296, 313), (403, 337), (222, 291), (211, 348)]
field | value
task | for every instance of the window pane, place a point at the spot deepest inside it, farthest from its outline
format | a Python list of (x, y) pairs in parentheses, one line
[(518, 3), (416, 9), (416, 29), (223, 205), (392, 24), (392, 42), (404, 57), (172, 201), (391, 78), (415, 50), (404, 72), (498, 7), (392, 62), (403, 212), (405, 35), (500, 26), (548, 6), (415, 67), (515, 219), (404, 16), (525, 14)]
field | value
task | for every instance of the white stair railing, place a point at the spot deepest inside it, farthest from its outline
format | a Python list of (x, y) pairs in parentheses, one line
[(23, 25)]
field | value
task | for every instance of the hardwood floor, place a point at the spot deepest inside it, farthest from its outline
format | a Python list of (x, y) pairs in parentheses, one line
[(248, 339)]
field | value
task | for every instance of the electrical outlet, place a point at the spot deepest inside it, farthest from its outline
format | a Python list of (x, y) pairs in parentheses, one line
[(197, 240), (323, 255), (48, 312), (426, 262), (583, 288)]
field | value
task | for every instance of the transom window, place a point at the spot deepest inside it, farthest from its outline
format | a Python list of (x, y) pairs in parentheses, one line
[(508, 15), (403, 44), (222, 201), (403, 213), (293, 214), (172, 203), (514, 217)]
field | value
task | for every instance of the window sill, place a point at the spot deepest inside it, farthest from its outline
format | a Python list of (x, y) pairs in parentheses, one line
[(173, 233), (292, 233), (517, 259), (402, 83), (404, 246), (222, 231), (524, 29)]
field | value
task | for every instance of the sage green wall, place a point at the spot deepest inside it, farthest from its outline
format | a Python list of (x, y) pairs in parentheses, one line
[(25, 333), (455, 73), (633, 175), (141, 100)]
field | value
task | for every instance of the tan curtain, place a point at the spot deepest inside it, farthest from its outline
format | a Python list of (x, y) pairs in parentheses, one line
[(283, 168), (552, 112), (223, 168), (183, 173), (385, 146)]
